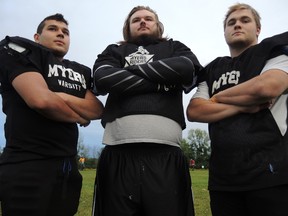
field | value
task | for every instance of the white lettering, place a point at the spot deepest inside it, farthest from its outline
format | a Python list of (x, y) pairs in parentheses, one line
[(61, 71), (227, 78), (53, 71), (69, 85)]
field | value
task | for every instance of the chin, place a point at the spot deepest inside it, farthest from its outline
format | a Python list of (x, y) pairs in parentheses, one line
[(59, 53)]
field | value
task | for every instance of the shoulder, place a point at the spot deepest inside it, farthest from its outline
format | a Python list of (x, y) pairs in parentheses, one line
[(279, 62), (273, 43), (24, 53), (277, 39), (218, 61), (176, 43), (23, 43), (112, 47)]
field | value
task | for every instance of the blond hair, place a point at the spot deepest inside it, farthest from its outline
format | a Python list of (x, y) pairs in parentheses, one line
[(241, 6)]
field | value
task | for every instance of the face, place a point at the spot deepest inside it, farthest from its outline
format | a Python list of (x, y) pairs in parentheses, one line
[(55, 36), (143, 22), (241, 30)]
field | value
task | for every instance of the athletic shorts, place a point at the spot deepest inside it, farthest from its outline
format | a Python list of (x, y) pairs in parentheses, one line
[(40, 188), (264, 202), (143, 180)]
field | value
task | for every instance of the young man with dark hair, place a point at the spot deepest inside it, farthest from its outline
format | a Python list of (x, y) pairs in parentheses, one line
[(44, 97)]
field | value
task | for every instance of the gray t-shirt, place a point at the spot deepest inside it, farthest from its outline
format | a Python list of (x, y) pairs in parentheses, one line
[(143, 129)]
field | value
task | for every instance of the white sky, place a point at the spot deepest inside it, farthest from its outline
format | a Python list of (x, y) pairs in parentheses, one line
[(94, 24)]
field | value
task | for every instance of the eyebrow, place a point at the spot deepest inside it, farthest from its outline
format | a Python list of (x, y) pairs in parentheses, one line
[(242, 17), (56, 26), (138, 17)]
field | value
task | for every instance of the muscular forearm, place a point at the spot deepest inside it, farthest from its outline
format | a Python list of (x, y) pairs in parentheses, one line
[(201, 110), (89, 107), (207, 111), (56, 109), (259, 90), (38, 97)]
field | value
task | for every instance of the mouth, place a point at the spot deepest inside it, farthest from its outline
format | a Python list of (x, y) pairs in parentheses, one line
[(237, 33), (142, 28), (59, 42)]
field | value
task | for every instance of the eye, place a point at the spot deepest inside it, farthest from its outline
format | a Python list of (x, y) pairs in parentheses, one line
[(149, 18), (135, 20), (51, 28), (231, 22), (246, 20), (66, 32)]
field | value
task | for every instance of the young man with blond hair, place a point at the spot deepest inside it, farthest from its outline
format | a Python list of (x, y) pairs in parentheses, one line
[(244, 99)]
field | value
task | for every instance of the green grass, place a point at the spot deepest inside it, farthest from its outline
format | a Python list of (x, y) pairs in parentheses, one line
[(200, 192), (199, 186), (85, 206)]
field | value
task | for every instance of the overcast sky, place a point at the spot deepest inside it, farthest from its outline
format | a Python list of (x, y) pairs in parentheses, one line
[(94, 24)]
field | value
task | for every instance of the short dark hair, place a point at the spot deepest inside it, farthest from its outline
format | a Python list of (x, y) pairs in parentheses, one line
[(58, 17)]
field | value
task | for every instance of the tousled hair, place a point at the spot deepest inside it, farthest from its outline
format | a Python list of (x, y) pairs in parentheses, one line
[(126, 28)]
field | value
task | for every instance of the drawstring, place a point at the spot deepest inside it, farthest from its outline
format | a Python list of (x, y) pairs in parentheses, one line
[(66, 171)]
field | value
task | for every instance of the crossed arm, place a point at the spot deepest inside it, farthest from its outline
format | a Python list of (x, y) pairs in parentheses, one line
[(248, 97), (38, 97), (89, 107), (145, 77)]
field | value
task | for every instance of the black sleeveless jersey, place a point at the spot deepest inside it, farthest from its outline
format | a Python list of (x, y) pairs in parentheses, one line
[(248, 150), (28, 134)]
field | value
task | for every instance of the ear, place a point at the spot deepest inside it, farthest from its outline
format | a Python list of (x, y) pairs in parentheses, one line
[(258, 32), (36, 37)]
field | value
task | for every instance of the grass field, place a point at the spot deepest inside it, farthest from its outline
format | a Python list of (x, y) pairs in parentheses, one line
[(199, 186)]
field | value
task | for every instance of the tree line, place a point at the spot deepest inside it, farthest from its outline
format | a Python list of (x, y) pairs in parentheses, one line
[(195, 147)]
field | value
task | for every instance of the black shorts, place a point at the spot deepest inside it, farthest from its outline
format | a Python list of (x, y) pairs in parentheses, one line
[(143, 179), (43, 187), (264, 202)]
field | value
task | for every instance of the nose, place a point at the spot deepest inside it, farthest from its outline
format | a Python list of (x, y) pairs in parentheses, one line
[(237, 24), (142, 21), (60, 34)]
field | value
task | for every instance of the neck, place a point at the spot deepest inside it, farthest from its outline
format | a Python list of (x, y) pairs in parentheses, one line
[(58, 55), (237, 50), (59, 58)]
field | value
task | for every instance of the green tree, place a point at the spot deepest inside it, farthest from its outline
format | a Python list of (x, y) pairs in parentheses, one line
[(197, 147), (186, 148)]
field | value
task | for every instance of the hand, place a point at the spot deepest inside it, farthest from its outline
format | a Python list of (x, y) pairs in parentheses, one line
[(84, 123)]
